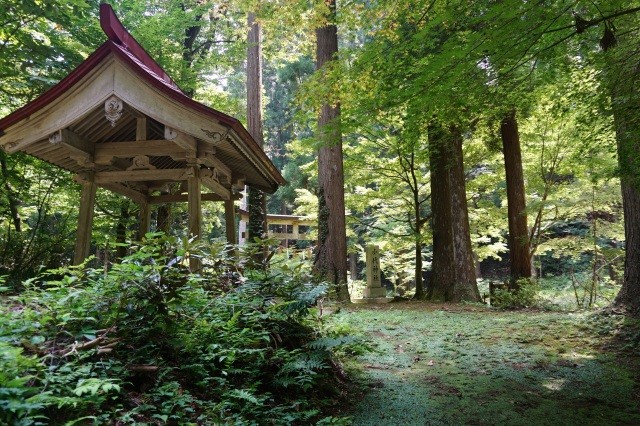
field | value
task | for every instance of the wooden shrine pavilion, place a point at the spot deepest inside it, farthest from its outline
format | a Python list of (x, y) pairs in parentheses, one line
[(119, 122)]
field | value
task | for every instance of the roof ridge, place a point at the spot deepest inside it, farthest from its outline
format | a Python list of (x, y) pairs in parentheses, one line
[(118, 34)]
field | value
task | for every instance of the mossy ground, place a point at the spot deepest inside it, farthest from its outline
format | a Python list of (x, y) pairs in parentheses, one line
[(448, 365)]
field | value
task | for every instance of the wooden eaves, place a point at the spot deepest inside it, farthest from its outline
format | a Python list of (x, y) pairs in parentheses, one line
[(119, 122)]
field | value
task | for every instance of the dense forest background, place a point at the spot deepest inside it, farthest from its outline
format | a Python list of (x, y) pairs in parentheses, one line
[(480, 144), (480, 139)]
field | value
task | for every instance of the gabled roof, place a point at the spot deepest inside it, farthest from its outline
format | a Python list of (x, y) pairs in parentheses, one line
[(120, 67)]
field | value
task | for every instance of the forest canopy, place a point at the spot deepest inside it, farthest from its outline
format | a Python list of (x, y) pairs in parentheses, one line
[(490, 150), (534, 100)]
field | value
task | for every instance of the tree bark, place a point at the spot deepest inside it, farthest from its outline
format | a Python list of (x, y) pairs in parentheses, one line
[(453, 276), (257, 227), (121, 229), (420, 293), (623, 79), (442, 281), (466, 287), (12, 199), (518, 240), (417, 273), (331, 257), (163, 217)]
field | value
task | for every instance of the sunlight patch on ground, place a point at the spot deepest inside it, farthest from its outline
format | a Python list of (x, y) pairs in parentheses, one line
[(445, 364), (554, 384)]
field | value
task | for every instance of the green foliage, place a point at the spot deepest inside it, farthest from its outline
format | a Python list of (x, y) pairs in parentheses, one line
[(146, 341), (523, 295)]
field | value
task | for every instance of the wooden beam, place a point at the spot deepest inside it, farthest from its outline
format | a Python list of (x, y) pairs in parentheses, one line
[(207, 156), (80, 149), (85, 221), (222, 170), (106, 152), (230, 221), (183, 198), (187, 142), (131, 193), (216, 187), (73, 142), (141, 175), (141, 128), (145, 220), (195, 212)]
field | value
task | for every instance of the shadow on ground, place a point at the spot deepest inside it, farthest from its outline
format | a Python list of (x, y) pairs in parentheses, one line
[(447, 365)]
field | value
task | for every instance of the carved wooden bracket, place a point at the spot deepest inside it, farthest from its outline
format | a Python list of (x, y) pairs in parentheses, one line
[(210, 173), (83, 160), (113, 109), (141, 162), (84, 177), (191, 172), (215, 137), (239, 182), (55, 138), (170, 134), (10, 146)]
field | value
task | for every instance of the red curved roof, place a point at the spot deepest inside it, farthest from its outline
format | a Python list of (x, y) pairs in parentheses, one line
[(122, 44)]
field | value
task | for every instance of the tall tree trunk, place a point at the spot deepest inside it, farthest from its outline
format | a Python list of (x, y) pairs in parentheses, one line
[(163, 218), (12, 199), (466, 287), (453, 276), (257, 201), (442, 281), (121, 229), (331, 258), (188, 47), (518, 241), (623, 79), (417, 273), (419, 294)]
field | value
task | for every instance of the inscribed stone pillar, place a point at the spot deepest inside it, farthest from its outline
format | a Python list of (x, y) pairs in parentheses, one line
[(85, 220), (374, 282)]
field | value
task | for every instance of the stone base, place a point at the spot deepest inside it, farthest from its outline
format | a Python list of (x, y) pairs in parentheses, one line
[(373, 300), (374, 292)]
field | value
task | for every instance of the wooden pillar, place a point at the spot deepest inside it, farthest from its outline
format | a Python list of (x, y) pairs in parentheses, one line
[(194, 188), (145, 220), (230, 221), (85, 220)]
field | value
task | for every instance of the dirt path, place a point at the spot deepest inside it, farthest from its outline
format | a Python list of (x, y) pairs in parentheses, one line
[(435, 365)]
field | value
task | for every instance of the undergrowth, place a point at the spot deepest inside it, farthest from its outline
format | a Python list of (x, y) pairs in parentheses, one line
[(145, 341)]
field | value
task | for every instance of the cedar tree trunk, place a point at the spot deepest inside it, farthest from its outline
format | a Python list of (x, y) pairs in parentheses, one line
[(121, 229), (442, 281), (10, 193), (624, 81), (518, 241), (420, 294), (626, 104), (163, 218), (257, 202), (453, 276), (331, 257), (466, 287)]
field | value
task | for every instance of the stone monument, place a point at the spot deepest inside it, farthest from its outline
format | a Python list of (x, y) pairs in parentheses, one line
[(374, 292)]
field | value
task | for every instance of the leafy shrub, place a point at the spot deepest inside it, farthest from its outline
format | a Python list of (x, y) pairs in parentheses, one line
[(524, 295), (148, 342)]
